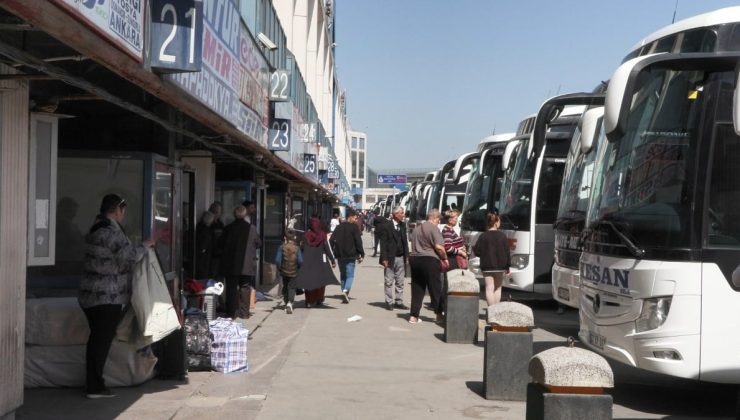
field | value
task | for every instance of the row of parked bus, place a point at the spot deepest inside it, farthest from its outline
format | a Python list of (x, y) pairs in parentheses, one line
[(624, 202)]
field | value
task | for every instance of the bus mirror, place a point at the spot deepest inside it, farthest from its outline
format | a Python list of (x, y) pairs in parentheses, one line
[(736, 103), (508, 154), (736, 277), (617, 104), (590, 127), (552, 109)]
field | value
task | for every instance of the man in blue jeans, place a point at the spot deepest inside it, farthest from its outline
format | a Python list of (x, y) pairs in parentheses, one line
[(347, 246)]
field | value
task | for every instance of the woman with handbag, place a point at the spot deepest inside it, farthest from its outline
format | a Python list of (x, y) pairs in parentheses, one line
[(492, 248), (428, 259)]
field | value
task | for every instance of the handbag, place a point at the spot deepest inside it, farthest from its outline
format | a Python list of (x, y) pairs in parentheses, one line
[(462, 262)]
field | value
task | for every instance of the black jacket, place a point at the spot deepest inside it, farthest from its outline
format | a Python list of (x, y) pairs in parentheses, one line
[(234, 247), (492, 248), (346, 241), (204, 244), (393, 243)]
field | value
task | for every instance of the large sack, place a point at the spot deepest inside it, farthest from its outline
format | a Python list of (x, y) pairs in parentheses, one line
[(55, 322), (64, 366), (229, 348)]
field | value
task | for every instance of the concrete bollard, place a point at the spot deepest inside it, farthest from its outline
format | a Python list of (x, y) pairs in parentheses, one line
[(461, 318), (568, 383), (508, 349)]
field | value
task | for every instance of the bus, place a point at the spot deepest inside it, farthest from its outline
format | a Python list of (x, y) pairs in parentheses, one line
[(483, 189), (574, 200), (529, 199), (660, 273)]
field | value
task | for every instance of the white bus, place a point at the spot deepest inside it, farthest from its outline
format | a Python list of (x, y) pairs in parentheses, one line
[(660, 277), (483, 190), (529, 202), (574, 199)]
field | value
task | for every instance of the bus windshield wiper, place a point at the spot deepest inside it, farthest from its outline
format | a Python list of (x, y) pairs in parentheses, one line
[(634, 249)]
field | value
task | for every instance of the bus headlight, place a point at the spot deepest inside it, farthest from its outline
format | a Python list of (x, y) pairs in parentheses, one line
[(520, 261), (654, 313)]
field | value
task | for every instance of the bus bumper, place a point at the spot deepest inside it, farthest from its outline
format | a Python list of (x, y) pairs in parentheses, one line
[(566, 286)]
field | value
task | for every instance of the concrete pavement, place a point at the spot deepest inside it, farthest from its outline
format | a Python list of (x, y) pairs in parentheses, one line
[(314, 364)]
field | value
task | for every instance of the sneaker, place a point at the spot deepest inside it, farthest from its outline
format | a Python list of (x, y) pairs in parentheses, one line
[(345, 296), (389, 306), (106, 393), (289, 308), (414, 320), (400, 305)]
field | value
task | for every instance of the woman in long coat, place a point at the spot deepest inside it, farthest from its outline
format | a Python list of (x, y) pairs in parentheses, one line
[(318, 262)]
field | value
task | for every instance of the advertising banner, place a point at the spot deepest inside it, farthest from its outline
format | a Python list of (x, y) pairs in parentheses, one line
[(219, 84), (119, 21)]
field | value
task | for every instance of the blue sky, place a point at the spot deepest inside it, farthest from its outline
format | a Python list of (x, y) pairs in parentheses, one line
[(428, 79)]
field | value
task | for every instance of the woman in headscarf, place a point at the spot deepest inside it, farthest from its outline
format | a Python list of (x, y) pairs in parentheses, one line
[(318, 262)]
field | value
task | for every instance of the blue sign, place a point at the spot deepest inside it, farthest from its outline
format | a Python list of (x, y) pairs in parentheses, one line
[(391, 179), (176, 35)]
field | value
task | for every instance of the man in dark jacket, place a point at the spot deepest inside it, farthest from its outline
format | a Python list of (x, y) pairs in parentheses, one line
[(234, 249), (347, 246), (377, 221), (394, 254)]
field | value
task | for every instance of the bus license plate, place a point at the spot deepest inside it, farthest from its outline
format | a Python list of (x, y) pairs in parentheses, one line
[(564, 293), (596, 340)]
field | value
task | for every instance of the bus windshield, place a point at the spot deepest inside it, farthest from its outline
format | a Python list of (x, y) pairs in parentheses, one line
[(647, 176), (577, 184), (517, 191), (482, 188)]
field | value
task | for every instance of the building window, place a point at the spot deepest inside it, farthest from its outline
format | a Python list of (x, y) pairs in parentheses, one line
[(248, 11), (354, 142), (354, 163), (362, 143), (361, 166)]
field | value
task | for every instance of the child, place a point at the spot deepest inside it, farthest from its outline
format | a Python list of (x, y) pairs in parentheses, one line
[(289, 260)]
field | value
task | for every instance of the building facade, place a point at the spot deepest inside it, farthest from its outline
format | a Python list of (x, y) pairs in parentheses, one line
[(241, 104), (358, 165)]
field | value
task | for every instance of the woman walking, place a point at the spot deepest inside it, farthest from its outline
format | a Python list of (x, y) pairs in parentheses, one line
[(316, 271), (427, 252), (492, 248)]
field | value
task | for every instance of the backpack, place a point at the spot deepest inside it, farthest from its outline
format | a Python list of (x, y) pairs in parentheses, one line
[(289, 264)]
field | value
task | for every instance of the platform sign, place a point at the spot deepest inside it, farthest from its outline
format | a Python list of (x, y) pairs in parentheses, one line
[(176, 35), (280, 86), (391, 179), (279, 135), (309, 164)]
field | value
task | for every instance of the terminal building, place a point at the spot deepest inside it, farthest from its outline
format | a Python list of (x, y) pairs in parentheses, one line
[(242, 103)]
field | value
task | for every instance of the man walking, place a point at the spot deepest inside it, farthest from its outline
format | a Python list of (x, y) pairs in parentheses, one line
[(377, 221), (236, 240), (347, 246), (394, 254)]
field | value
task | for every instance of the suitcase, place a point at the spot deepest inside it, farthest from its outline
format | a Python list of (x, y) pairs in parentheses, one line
[(170, 351), (198, 341)]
